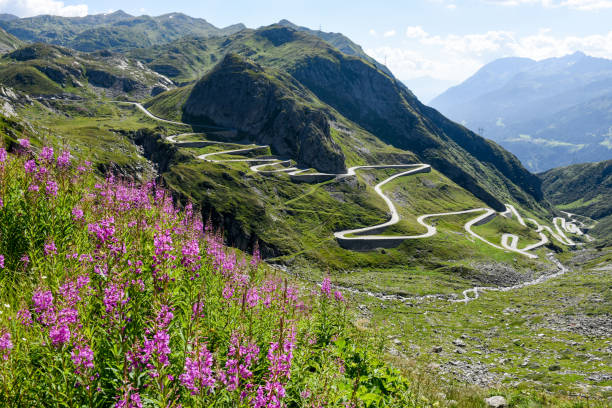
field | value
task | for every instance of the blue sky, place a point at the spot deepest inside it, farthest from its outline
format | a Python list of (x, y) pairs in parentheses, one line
[(443, 39)]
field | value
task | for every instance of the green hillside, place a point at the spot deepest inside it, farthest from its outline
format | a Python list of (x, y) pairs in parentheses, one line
[(583, 189), (118, 30), (43, 69), (8, 42)]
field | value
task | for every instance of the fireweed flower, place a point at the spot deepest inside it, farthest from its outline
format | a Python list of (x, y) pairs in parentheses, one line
[(63, 160), (252, 297), (190, 251), (326, 287), (1, 261), (6, 345), (130, 399), (103, 229), (162, 243), (24, 143), (238, 364), (279, 372), (68, 316), (46, 153), (338, 296), (228, 291), (164, 317), (256, 255), (50, 248), (51, 188), (82, 358), (29, 166), (77, 213), (158, 347), (113, 296), (198, 375), (33, 188), (3, 154), (59, 334), (43, 300)]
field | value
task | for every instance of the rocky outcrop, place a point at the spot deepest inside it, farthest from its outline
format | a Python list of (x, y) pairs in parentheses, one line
[(105, 79), (269, 106)]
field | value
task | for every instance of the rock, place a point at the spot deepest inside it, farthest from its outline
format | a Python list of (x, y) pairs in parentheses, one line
[(459, 351), (437, 349), (554, 367), (459, 343), (496, 401)]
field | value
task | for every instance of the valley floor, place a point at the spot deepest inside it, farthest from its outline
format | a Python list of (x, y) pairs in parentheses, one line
[(554, 337)]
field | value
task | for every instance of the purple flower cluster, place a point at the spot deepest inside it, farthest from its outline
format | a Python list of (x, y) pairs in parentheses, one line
[(198, 375), (6, 345), (83, 358)]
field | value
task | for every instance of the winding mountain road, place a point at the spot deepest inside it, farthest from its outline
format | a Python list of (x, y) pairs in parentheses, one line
[(369, 237)]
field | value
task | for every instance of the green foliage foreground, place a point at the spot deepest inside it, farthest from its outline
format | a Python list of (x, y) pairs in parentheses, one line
[(112, 296)]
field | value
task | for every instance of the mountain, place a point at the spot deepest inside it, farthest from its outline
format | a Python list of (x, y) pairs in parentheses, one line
[(549, 113), (8, 42), (117, 31), (340, 41), (269, 104), (358, 92), (8, 17), (42, 69), (583, 189)]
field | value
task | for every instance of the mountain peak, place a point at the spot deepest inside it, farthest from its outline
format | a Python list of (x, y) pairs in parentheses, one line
[(119, 13)]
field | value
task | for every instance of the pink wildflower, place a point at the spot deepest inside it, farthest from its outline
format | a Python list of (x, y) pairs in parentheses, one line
[(6, 345), (82, 358), (198, 374), (46, 153), (326, 287), (59, 335)]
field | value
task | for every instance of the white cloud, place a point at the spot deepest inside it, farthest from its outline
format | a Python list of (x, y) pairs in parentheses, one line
[(28, 8), (455, 57), (390, 33), (372, 32), (415, 32)]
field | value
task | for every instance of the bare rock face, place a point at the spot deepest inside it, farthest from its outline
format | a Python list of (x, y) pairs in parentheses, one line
[(269, 106)]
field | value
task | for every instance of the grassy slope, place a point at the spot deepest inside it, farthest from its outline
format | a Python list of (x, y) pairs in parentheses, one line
[(8, 42), (584, 189), (41, 69)]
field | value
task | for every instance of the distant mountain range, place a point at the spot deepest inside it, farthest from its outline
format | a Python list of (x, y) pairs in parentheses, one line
[(117, 31), (549, 113)]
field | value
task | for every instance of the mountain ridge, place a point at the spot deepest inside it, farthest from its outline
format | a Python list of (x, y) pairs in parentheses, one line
[(374, 100), (117, 30), (537, 109)]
